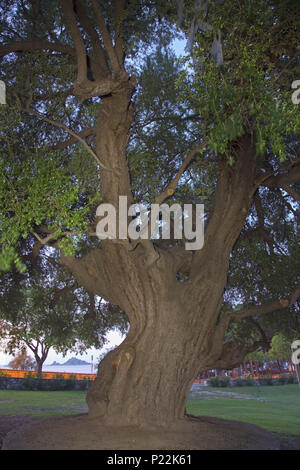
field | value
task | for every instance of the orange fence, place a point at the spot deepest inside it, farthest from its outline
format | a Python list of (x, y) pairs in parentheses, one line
[(15, 373)]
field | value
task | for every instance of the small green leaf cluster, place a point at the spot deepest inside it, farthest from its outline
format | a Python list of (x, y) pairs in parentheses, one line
[(35, 189), (248, 93)]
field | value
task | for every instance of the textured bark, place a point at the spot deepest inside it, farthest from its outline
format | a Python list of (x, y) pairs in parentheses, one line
[(175, 329), (146, 380), (173, 325), (114, 121)]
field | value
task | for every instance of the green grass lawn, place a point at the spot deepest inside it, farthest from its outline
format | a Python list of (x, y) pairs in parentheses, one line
[(275, 408), (41, 404)]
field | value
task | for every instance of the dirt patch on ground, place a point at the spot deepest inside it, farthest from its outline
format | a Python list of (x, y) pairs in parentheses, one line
[(288, 442), (80, 433), (10, 423)]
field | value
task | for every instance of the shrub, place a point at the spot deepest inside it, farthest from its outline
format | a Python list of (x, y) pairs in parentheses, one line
[(70, 384), (214, 382), (219, 382), (291, 379), (248, 382), (3, 380), (266, 381), (283, 379), (30, 382), (239, 382), (224, 382), (83, 384)]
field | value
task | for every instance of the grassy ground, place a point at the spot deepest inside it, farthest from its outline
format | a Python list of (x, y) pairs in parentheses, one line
[(41, 404), (275, 408)]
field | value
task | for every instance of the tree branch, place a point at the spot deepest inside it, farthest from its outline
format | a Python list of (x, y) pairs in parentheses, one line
[(286, 203), (84, 90), (261, 225), (262, 177), (73, 134), (264, 308), (106, 38), (36, 45), (83, 87), (233, 354), (119, 40), (100, 88), (278, 181), (43, 241), (52, 236), (59, 292), (252, 311), (67, 7), (61, 145), (259, 328), (169, 191), (291, 192), (99, 70)]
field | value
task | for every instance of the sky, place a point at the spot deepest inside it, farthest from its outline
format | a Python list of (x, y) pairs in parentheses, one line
[(178, 46)]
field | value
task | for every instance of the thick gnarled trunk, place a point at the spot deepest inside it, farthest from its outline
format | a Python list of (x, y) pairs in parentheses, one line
[(174, 326), (146, 380)]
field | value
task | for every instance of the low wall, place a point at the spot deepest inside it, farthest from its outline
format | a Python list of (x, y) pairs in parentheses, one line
[(21, 374), (11, 379)]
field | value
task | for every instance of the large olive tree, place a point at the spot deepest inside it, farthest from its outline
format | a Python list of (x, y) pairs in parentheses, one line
[(226, 136)]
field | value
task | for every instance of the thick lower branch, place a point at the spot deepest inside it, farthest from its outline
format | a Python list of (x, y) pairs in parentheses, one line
[(36, 45), (292, 176), (235, 189), (67, 7), (233, 355)]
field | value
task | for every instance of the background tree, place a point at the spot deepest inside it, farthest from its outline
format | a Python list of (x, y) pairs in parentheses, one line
[(22, 361), (279, 351), (46, 309), (280, 348), (71, 70)]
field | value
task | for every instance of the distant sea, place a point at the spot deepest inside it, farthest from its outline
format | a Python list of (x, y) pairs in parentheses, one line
[(82, 369)]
